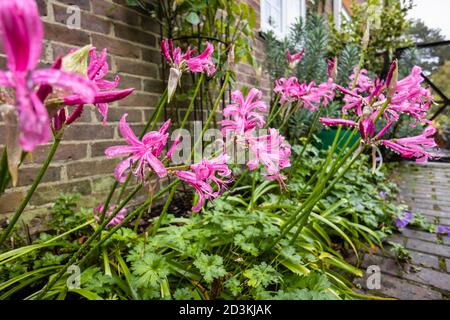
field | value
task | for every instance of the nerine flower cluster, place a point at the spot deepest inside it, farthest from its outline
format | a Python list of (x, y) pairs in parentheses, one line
[(209, 177), (368, 100)]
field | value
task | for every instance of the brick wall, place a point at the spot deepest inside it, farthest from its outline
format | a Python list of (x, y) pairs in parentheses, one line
[(79, 165), (247, 75)]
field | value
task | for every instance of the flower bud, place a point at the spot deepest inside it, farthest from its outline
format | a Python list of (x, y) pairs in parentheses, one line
[(77, 61), (174, 78), (391, 79)]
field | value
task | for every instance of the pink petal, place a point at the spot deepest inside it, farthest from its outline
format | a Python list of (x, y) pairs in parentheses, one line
[(335, 122), (22, 32), (69, 81), (127, 133), (119, 171), (156, 165), (6, 79), (33, 119), (119, 151)]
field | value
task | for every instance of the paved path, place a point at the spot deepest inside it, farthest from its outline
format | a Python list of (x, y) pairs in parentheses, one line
[(426, 189)]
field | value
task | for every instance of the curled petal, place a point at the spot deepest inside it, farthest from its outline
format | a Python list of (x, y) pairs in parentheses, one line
[(126, 131), (156, 165), (99, 97), (173, 147), (119, 171), (335, 122), (69, 81)]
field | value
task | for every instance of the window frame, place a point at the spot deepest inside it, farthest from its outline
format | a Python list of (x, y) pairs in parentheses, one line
[(286, 20)]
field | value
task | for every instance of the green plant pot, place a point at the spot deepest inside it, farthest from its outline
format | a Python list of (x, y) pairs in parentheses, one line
[(326, 138)]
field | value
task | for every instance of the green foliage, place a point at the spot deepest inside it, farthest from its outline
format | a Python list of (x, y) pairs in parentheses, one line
[(402, 255), (388, 26), (210, 266)]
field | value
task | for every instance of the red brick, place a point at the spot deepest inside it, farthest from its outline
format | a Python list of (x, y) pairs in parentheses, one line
[(49, 193), (91, 168), (139, 99), (114, 115), (88, 21), (137, 68), (65, 152), (63, 34), (134, 35), (9, 201), (127, 81), (116, 46), (42, 6), (154, 85), (89, 132), (151, 55), (150, 24), (116, 12), (83, 4), (98, 148), (27, 175)]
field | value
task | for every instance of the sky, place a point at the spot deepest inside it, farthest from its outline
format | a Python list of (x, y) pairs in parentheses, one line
[(435, 14)]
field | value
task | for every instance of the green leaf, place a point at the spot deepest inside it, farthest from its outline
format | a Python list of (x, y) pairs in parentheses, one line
[(210, 266), (193, 18), (87, 294)]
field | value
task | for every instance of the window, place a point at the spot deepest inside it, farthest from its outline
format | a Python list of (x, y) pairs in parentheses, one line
[(278, 15), (339, 11)]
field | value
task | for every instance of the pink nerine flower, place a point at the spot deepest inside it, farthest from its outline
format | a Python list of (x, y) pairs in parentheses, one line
[(244, 112), (98, 68), (414, 147), (272, 151), (406, 96), (295, 58), (311, 96), (203, 174), (22, 37), (183, 61), (118, 218), (332, 68), (143, 153)]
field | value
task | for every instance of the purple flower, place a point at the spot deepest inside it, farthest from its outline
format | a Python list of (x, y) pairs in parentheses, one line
[(443, 229), (383, 194), (402, 221)]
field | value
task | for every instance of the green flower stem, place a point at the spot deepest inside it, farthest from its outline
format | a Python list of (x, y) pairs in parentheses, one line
[(273, 117), (252, 199), (274, 110), (304, 218), (192, 102), (128, 218), (212, 114), (3, 170), (316, 194), (163, 214), (85, 245), (311, 130), (31, 191)]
